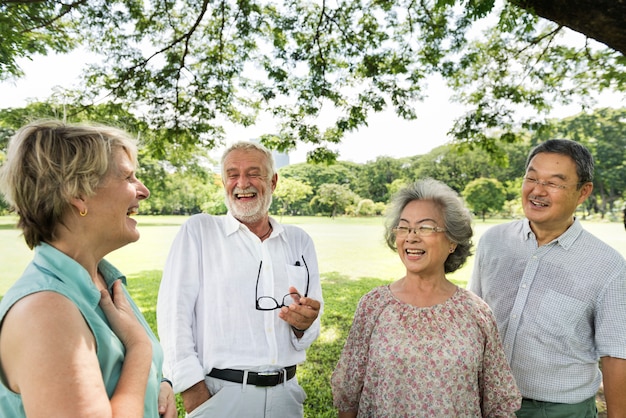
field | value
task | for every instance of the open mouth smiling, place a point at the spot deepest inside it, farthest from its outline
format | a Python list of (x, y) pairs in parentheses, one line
[(414, 252), (245, 195), (538, 203)]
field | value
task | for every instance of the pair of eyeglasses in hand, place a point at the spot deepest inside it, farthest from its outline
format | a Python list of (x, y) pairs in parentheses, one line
[(269, 303)]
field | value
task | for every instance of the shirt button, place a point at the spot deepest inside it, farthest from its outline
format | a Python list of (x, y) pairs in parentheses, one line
[(524, 285), (513, 316)]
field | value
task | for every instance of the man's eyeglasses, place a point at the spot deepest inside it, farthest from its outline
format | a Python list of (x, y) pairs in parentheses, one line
[(268, 303), (548, 185), (422, 230)]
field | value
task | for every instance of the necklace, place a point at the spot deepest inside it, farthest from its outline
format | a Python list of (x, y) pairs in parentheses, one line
[(267, 234)]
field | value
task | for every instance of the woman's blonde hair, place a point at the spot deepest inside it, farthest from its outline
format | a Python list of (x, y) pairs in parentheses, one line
[(50, 162)]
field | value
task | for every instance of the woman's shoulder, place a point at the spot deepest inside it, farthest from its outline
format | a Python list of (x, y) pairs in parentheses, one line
[(29, 284), (473, 301), (378, 296)]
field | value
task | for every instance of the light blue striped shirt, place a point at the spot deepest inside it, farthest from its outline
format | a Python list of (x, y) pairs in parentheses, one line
[(559, 307)]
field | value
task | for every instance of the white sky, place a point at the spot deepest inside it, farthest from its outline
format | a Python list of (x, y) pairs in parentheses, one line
[(386, 135)]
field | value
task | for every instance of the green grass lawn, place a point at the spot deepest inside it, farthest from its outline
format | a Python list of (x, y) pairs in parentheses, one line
[(352, 247), (353, 259)]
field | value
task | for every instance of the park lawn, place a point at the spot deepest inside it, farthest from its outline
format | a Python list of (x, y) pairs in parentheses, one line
[(353, 259)]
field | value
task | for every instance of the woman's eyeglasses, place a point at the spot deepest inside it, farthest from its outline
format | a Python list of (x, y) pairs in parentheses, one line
[(268, 303), (422, 230)]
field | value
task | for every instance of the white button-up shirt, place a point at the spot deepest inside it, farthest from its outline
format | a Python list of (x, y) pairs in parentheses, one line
[(206, 311)]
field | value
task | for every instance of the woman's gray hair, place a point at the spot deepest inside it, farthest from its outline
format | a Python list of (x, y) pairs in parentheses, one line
[(457, 218)]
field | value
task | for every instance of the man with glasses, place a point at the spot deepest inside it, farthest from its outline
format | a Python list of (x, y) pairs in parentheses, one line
[(240, 300), (558, 292)]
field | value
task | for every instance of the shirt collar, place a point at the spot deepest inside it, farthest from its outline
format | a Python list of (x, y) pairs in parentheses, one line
[(565, 240), (233, 225)]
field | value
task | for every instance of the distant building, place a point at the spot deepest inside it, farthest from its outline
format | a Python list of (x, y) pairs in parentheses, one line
[(281, 159)]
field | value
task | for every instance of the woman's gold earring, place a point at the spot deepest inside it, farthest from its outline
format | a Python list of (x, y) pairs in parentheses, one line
[(83, 212)]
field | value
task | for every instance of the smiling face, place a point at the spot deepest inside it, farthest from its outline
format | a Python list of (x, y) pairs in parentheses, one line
[(247, 185), (115, 200), (552, 209), (423, 255)]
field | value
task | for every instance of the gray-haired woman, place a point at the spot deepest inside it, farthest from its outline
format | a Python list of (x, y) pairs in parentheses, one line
[(422, 346)]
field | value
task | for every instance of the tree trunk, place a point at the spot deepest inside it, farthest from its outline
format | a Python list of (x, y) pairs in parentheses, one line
[(602, 20)]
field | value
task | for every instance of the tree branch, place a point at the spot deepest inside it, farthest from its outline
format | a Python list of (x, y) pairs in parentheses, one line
[(49, 22)]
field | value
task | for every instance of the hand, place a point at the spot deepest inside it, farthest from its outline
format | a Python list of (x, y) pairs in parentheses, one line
[(302, 312), (167, 401), (122, 317), (195, 396)]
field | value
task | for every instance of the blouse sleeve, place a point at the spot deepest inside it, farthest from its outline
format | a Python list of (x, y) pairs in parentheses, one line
[(499, 393), (348, 377)]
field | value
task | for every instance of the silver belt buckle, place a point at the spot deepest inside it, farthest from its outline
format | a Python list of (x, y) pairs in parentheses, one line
[(268, 373)]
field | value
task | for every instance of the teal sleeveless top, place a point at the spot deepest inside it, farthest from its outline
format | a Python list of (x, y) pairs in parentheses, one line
[(51, 270)]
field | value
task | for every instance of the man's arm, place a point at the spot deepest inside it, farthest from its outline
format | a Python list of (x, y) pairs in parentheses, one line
[(176, 302), (474, 283), (614, 379)]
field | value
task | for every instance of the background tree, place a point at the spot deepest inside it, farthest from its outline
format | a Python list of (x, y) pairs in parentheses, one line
[(317, 174), (289, 191), (333, 199), (604, 133), (446, 164), (189, 67), (396, 185), (190, 185), (33, 27), (484, 195), (377, 175), (180, 184), (367, 207), (215, 205)]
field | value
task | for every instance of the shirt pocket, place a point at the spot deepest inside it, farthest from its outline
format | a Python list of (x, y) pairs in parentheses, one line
[(559, 314), (298, 278)]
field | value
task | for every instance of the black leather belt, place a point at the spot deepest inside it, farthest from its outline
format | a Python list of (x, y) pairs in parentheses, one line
[(254, 378)]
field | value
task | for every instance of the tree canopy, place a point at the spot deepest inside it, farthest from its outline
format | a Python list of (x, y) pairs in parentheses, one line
[(186, 68), (364, 189)]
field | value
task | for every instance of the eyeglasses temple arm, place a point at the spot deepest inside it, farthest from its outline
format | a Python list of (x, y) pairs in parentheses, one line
[(308, 277)]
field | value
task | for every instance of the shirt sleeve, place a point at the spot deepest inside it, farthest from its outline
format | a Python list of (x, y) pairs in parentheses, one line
[(610, 318), (176, 303), (474, 282)]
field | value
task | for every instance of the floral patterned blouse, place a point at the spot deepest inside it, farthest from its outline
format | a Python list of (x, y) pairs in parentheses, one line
[(441, 361)]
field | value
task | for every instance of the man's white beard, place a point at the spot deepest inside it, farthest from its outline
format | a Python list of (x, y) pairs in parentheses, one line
[(248, 212)]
